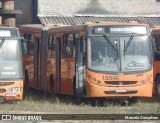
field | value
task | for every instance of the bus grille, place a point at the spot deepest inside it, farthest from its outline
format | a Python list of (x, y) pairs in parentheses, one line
[(127, 92), (120, 82), (2, 90), (6, 83)]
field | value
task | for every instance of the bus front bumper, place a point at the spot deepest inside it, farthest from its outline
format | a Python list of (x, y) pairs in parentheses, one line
[(11, 90), (105, 91), (10, 97)]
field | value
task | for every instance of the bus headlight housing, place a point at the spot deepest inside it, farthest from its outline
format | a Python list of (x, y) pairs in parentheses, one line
[(146, 80), (142, 82), (15, 89), (94, 80)]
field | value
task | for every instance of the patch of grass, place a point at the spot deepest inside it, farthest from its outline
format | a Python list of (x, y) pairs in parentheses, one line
[(37, 103)]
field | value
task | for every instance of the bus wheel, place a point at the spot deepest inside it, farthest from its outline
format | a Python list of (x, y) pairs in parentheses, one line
[(78, 99), (157, 85), (74, 85), (132, 100), (52, 85)]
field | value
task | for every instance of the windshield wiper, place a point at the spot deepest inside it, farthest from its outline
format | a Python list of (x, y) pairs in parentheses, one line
[(129, 41), (109, 41), (2, 41)]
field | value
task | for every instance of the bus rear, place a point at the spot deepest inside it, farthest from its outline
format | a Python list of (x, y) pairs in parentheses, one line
[(119, 61), (11, 74)]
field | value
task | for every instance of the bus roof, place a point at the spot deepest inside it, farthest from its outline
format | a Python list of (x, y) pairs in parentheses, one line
[(132, 23), (155, 30), (89, 24), (31, 27), (36, 27), (8, 27), (62, 28), (67, 28)]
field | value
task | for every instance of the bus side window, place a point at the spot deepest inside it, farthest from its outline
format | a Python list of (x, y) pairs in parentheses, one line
[(67, 48), (156, 44), (29, 39), (51, 46)]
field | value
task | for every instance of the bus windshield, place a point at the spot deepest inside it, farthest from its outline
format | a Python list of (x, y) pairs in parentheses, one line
[(119, 54), (10, 58)]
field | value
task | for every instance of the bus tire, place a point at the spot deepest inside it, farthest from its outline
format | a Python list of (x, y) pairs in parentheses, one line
[(132, 100), (78, 99), (157, 85), (74, 85)]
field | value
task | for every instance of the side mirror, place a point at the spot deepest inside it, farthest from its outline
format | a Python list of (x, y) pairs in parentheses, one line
[(156, 46), (24, 45)]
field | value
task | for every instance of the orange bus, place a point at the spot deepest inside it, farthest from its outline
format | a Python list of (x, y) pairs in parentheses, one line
[(11, 69), (91, 60), (34, 55)]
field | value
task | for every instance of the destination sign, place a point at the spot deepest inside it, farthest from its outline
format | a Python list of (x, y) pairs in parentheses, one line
[(128, 29), (5, 33), (8, 32), (119, 29)]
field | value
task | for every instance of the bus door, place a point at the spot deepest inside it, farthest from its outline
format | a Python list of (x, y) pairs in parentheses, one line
[(37, 63), (42, 72), (79, 84), (67, 63), (58, 65)]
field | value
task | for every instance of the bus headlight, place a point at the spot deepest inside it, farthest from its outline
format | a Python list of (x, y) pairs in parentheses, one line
[(142, 81), (94, 79), (98, 81), (145, 80), (15, 89)]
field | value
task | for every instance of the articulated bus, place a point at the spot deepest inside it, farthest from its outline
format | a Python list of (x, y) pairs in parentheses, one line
[(155, 32), (34, 54), (90, 60), (11, 68)]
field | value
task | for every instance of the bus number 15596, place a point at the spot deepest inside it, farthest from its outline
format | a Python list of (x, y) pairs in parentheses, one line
[(111, 78)]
